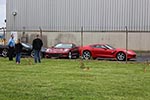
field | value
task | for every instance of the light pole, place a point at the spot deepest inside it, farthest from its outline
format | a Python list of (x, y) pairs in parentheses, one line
[(14, 13)]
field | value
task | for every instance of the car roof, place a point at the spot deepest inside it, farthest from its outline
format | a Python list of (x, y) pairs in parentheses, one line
[(64, 43), (96, 44)]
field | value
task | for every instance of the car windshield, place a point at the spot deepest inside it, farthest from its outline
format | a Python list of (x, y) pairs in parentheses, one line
[(61, 45), (27, 45), (109, 47)]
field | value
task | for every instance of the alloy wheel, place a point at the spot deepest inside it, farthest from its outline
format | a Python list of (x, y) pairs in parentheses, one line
[(86, 55)]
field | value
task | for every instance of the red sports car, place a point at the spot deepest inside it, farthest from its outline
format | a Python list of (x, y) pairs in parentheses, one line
[(63, 50), (105, 51)]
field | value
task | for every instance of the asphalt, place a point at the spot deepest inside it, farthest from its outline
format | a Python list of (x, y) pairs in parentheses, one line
[(145, 58), (141, 57)]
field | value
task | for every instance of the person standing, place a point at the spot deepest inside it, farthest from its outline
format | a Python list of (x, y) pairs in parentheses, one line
[(18, 49), (11, 45), (37, 45)]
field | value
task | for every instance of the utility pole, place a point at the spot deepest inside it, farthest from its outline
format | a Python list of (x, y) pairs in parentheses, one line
[(40, 32), (126, 44), (82, 36)]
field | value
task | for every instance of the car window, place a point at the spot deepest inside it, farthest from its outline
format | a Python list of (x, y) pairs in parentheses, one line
[(99, 46), (109, 47), (61, 45), (26, 45), (73, 45)]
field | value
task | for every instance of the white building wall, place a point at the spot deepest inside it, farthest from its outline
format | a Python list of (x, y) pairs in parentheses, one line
[(71, 15), (136, 40)]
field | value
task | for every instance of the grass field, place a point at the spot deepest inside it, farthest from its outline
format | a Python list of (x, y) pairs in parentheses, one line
[(55, 79)]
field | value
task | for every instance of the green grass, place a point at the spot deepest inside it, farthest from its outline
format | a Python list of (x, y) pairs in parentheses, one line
[(56, 79)]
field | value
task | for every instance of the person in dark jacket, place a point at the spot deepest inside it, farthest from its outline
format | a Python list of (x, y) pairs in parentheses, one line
[(37, 45), (18, 49)]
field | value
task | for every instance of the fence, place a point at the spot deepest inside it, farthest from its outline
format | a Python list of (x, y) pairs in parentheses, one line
[(134, 40)]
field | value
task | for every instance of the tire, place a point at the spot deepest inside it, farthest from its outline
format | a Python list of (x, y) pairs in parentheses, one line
[(42, 55), (32, 54), (70, 55), (86, 55), (5, 53), (121, 56)]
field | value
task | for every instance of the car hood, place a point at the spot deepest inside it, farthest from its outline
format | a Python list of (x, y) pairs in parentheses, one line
[(57, 50), (124, 50)]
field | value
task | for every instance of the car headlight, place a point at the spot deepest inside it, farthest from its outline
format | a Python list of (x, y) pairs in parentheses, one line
[(129, 52), (48, 50), (66, 50)]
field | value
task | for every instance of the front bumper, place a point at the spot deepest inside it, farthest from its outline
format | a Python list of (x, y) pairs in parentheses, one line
[(56, 55)]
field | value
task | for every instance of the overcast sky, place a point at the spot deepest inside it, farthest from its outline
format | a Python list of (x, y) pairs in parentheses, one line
[(2, 12)]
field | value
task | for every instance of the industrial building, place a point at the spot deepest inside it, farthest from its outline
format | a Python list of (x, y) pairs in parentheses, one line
[(103, 21)]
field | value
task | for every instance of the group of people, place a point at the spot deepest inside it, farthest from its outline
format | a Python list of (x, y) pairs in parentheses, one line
[(17, 48)]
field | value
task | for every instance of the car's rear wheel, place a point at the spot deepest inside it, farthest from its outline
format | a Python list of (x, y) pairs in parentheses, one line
[(41, 55), (121, 56), (86, 55), (4, 52)]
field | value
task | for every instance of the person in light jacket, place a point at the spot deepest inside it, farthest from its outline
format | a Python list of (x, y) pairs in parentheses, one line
[(11, 45)]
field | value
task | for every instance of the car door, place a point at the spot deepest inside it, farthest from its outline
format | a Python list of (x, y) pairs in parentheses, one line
[(108, 52), (26, 51), (102, 51), (75, 50), (98, 50)]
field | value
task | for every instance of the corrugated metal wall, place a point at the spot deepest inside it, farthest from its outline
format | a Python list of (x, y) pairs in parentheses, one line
[(71, 15)]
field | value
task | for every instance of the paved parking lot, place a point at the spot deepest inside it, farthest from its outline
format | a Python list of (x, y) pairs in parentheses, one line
[(140, 58), (143, 58)]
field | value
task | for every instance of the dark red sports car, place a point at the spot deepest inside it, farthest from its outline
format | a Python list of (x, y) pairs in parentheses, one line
[(63, 50), (105, 51)]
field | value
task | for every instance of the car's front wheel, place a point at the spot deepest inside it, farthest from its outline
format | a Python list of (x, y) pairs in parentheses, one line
[(121, 56), (70, 55), (32, 54), (4, 52), (86, 55)]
